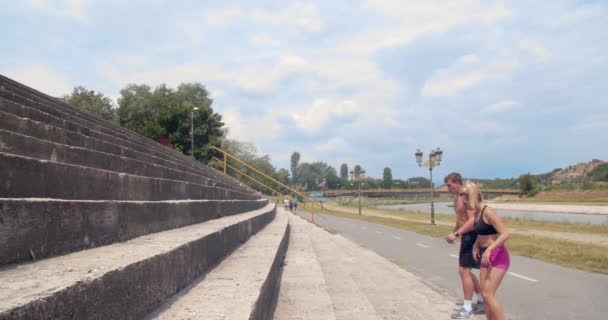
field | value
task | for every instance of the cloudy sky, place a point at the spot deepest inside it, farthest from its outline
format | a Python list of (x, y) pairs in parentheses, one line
[(503, 87)]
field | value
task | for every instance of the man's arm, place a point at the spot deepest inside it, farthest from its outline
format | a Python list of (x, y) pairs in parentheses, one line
[(467, 226), (458, 206)]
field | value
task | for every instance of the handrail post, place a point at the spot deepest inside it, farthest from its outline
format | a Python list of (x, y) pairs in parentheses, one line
[(225, 164)]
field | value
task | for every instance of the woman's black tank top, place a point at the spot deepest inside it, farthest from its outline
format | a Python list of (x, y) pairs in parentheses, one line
[(482, 228)]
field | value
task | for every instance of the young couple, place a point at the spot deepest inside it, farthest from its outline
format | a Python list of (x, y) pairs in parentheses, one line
[(482, 246)]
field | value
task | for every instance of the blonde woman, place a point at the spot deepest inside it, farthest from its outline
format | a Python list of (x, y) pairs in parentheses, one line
[(490, 247)]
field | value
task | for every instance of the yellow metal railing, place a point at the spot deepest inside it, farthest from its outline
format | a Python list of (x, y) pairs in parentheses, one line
[(227, 155), (249, 177)]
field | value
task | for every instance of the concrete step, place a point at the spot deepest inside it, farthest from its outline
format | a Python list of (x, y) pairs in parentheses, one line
[(394, 292), (24, 112), (29, 97), (303, 288), (348, 299), (40, 228), (31, 178), (62, 110), (26, 146), (242, 286), (124, 280)]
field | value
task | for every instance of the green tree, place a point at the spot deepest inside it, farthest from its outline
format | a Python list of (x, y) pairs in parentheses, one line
[(387, 178), (358, 170), (526, 184), (600, 173), (344, 171), (295, 160), (283, 176), (169, 113), (92, 102), (247, 153)]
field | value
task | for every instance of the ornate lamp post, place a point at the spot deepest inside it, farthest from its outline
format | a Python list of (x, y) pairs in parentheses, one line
[(434, 161), (358, 176)]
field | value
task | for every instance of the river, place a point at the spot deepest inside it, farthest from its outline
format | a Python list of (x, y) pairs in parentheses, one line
[(445, 208)]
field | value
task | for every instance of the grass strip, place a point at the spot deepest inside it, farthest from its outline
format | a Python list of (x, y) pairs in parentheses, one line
[(581, 256)]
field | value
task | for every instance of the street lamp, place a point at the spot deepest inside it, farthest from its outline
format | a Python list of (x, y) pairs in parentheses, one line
[(434, 161), (192, 131), (358, 176)]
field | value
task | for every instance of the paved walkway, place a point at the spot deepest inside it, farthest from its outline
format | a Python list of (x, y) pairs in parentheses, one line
[(357, 282)]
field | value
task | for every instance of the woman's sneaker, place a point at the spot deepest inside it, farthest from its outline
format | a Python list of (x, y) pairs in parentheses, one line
[(462, 314), (479, 307)]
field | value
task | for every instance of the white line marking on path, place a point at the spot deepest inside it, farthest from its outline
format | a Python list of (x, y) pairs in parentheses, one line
[(396, 238), (522, 277), (454, 256), (421, 245), (378, 232)]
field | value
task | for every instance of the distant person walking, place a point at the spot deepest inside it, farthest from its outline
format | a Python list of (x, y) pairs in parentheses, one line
[(490, 248), (464, 228)]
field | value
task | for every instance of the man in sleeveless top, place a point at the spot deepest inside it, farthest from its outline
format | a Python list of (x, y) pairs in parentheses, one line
[(464, 229)]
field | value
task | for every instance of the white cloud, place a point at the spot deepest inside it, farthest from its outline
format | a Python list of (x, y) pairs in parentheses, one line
[(134, 60), (252, 128), (300, 14), (463, 74), (417, 18), (265, 40), (67, 8), (444, 84), (193, 32), (503, 106), (538, 51), (321, 111), (221, 17), (596, 125), (42, 78), (469, 59), (335, 144), (253, 78)]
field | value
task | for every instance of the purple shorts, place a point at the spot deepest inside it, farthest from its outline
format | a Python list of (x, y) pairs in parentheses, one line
[(499, 258)]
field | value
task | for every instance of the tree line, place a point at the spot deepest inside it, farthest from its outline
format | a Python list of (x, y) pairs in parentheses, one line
[(160, 113), (167, 113)]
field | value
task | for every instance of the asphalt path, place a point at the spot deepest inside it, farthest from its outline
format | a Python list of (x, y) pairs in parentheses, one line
[(532, 289)]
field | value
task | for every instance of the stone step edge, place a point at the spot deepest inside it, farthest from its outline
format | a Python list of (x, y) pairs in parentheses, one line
[(109, 156), (143, 272), (243, 286), (34, 229), (129, 135), (77, 115), (120, 174), (179, 165), (315, 302)]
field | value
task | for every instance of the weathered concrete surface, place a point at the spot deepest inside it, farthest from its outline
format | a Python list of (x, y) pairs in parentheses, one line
[(43, 228), (22, 123), (394, 292), (31, 178), (242, 286), (84, 121), (348, 299), (124, 280), (303, 289), (379, 288), (31, 147)]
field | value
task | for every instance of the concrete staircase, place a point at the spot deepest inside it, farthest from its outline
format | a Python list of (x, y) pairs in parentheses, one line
[(97, 222)]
